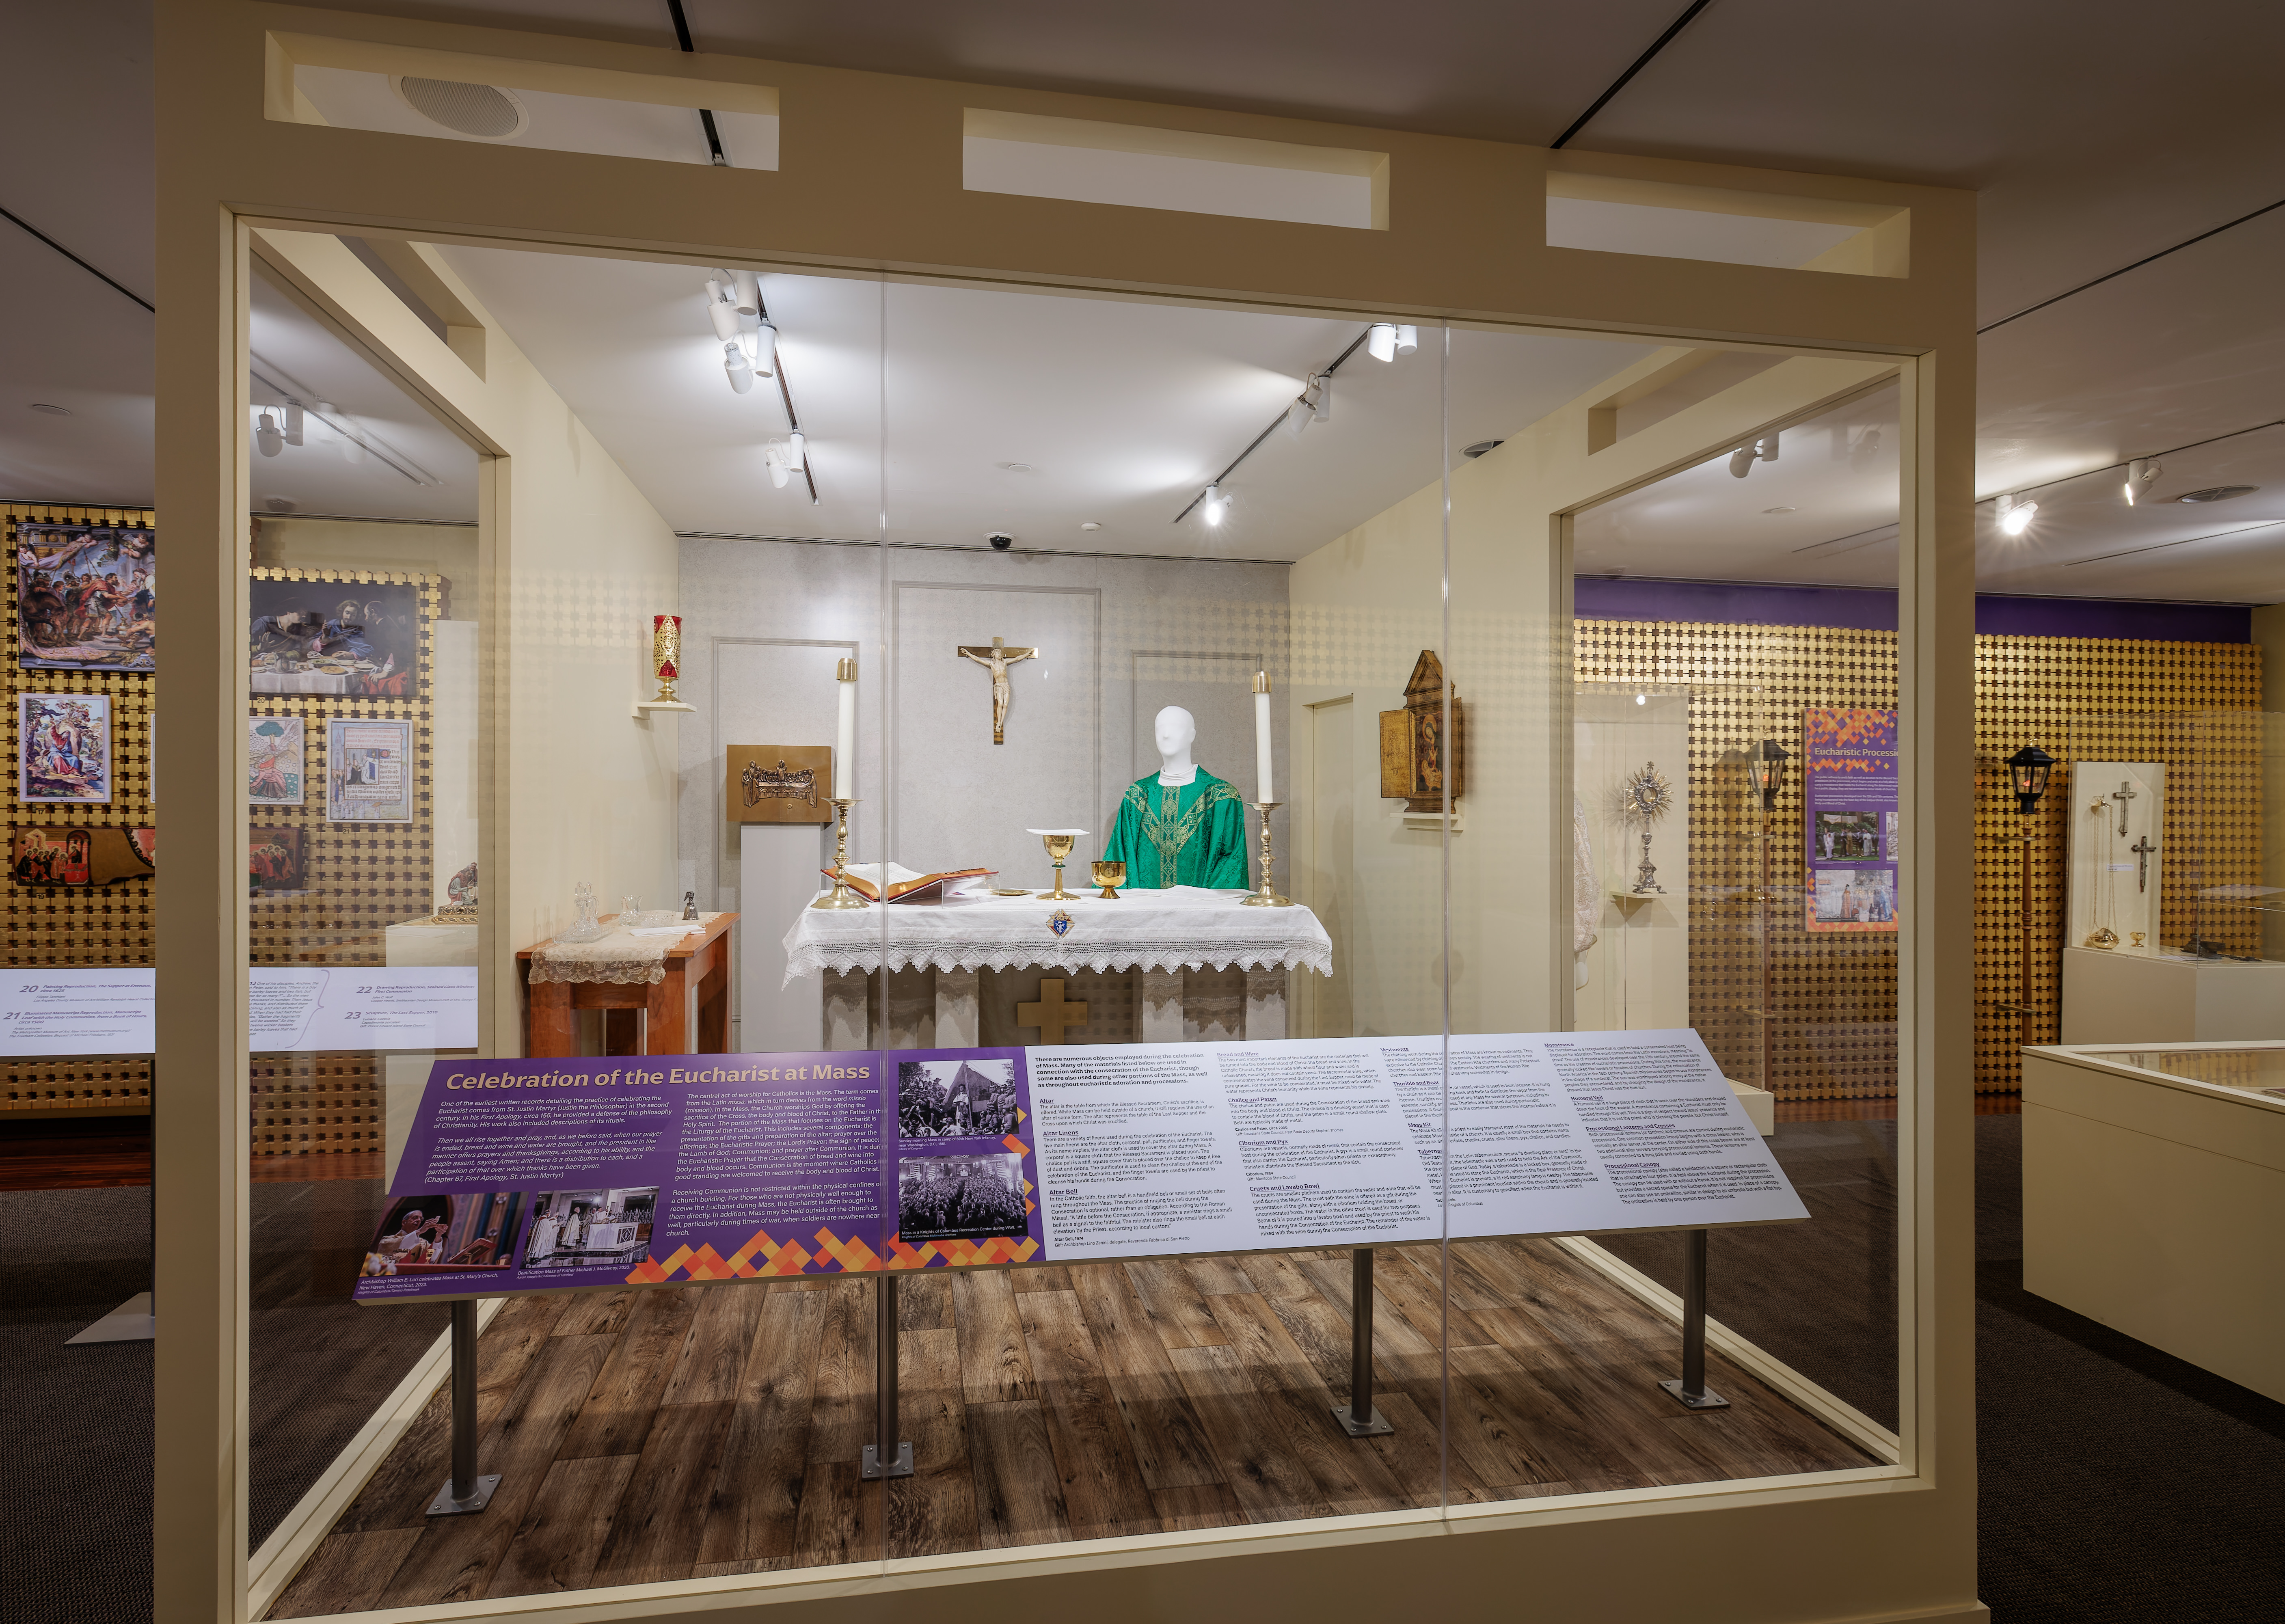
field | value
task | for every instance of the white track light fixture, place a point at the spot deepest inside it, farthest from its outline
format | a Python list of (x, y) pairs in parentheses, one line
[(1380, 340), (764, 353), (774, 458), (2141, 473), (1320, 397), (2015, 513), (796, 449), (293, 422), (267, 438), (739, 369), (1211, 509), (746, 291), (1408, 338), (1742, 459), (734, 305)]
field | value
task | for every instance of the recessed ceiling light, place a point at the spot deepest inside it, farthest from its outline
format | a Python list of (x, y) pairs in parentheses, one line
[(1480, 447), (2216, 493), (1778, 510), (1015, 467), (279, 503), (1090, 525), (41, 405)]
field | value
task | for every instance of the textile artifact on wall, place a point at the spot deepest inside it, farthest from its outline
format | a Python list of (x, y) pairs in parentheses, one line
[(86, 596), (777, 783), (1416, 758)]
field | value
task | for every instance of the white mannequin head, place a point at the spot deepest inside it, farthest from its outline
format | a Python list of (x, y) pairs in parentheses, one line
[(1175, 731)]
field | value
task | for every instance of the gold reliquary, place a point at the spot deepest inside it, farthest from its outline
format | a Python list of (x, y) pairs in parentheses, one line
[(1417, 760), (779, 783)]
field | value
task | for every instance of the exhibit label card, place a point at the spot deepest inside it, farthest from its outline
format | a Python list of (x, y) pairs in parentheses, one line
[(360, 1006), (78, 1011)]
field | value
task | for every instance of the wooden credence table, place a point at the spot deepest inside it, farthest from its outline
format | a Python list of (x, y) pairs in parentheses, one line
[(688, 1013)]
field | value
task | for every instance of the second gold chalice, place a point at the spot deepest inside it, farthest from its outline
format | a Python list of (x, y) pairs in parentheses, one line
[(1059, 844), (1109, 876)]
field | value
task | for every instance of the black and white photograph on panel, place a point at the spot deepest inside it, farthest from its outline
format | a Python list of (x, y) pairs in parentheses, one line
[(959, 1198)]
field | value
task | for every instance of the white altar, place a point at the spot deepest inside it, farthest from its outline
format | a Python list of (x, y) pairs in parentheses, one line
[(1179, 965)]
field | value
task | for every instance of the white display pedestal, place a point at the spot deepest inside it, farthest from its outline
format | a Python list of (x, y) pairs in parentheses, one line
[(2125, 996), (2152, 1204), (777, 875), (415, 943)]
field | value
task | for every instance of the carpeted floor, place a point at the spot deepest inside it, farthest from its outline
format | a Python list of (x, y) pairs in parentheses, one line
[(2118, 1484)]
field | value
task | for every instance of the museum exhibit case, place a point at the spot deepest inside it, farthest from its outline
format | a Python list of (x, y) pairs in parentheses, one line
[(1145, 893), (2153, 1179), (2173, 889)]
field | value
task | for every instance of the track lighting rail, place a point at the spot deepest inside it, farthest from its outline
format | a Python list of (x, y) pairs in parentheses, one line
[(1212, 491)]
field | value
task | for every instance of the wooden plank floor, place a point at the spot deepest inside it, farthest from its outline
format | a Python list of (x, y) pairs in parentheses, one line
[(674, 1433)]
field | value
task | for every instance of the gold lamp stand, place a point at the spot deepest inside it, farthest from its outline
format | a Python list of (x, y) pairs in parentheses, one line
[(1267, 896), (842, 897)]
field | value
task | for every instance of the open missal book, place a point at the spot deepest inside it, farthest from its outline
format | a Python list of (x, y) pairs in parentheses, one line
[(904, 885)]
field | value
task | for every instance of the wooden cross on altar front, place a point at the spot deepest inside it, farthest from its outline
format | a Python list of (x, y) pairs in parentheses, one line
[(1051, 1014)]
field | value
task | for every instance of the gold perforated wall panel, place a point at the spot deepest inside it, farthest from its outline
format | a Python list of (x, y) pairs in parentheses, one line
[(362, 878), (2194, 706), (94, 925)]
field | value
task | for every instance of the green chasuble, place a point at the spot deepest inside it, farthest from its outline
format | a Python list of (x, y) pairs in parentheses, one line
[(1190, 836)]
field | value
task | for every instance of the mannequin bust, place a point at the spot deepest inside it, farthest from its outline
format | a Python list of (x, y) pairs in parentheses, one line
[(1181, 825)]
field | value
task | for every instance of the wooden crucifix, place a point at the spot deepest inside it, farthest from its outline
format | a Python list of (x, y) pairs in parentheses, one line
[(996, 660), (1051, 1014)]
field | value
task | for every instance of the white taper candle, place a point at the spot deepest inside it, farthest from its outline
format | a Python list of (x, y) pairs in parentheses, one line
[(1261, 737), (844, 740)]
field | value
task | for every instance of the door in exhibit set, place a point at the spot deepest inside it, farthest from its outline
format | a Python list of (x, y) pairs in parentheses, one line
[(1082, 1095)]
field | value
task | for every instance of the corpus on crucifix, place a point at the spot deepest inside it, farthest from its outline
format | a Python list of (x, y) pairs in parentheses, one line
[(996, 660)]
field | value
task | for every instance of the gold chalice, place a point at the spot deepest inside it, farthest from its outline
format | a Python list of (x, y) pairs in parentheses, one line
[(1110, 876), (1059, 844)]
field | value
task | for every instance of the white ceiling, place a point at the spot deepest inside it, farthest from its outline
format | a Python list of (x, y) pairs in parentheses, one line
[(1119, 411), (2095, 133), (412, 465)]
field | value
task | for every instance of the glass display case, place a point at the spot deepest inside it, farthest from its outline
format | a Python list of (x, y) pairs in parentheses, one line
[(2173, 889), (1204, 874), (2154, 1184)]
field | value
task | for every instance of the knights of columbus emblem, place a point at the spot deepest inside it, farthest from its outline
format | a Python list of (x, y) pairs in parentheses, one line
[(1059, 922)]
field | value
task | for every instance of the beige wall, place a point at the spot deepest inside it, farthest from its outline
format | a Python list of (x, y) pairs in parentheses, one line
[(569, 564), (1508, 657)]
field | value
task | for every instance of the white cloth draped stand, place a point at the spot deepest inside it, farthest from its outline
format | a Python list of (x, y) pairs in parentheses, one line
[(1158, 935)]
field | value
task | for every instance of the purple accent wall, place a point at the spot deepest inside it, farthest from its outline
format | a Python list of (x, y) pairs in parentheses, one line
[(1873, 610)]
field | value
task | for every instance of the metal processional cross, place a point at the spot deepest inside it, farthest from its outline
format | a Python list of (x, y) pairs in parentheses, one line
[(996, 660)]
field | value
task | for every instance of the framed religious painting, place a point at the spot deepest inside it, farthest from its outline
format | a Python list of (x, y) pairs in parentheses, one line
[(63, 748), (86, 596), (275, 859), (368, 772), (79, 856), (318, 634), (274, 761)]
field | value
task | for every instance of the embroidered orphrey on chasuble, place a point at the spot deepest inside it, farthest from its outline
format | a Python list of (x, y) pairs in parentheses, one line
[(1190, 835)]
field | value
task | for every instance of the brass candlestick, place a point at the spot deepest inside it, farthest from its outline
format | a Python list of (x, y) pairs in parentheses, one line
[(842, 897), (1267, 896)]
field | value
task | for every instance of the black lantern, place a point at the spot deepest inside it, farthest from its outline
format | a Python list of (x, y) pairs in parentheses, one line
[(2027, 771), (1766, 768)]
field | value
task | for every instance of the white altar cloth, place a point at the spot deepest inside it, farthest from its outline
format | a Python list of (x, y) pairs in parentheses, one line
[(1184, 927)]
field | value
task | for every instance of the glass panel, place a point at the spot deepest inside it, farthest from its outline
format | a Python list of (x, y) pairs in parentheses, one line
[(2248, 1070), (1673, 573), (362, 743)]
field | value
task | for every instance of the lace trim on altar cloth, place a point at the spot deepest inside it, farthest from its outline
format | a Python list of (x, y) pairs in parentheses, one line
[(623, 972), (809, 960)]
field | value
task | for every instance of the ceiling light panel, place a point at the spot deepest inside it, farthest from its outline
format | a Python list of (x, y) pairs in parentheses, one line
[(553, 121)]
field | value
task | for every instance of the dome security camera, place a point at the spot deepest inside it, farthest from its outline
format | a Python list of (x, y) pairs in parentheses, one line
[(1001, 541)]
